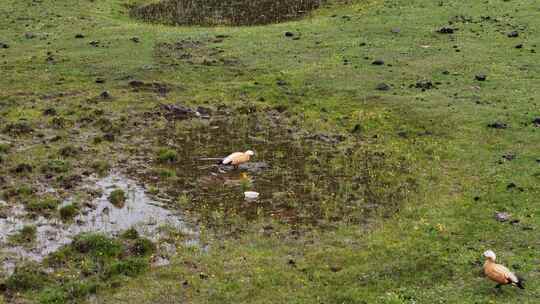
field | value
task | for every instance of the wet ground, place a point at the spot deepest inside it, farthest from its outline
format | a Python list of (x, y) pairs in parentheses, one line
[(302, 178), (219, 12), (139, 211)]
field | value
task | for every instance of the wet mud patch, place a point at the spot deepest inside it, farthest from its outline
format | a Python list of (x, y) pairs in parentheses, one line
[(192, 51), (302, 178), (224, 12), (139, 212)]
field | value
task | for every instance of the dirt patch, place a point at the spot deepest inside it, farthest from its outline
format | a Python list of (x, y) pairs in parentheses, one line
[(224, 12), (192, 51)]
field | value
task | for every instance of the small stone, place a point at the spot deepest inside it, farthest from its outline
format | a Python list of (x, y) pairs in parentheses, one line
[(94, 43), (424, 85), (378, 62), (497, 125), (446, 30), (100, 80), (481, 77), (396, 30), (79, 36), (383, 87), (536, 122), (502, 216), (509, 156), (513, 34), (135, 39), (289, 34), (105, 95), (4, 45), (511, 186), (281, 83), (519, 46)]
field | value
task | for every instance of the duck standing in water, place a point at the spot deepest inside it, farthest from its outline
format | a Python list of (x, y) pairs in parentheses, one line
[(238, 158), (498, 273)]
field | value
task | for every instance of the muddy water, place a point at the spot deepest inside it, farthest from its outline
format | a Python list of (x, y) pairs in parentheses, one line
[(301, 177), (100, 216)]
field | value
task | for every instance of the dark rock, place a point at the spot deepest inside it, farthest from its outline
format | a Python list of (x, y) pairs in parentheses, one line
[(4, 45), (79, 36), (383, 87), (378, 62), (335, 268), (497, 125), (135, 39), (481, 77), (94, 43), (446, 72), (511, 186), (519, 46), (513, 34), (357, 129), (176, 112), (105, 95), (536, 122), (289, 34), (100, 80), (446, 30), (23, 168), (509, 156), (109, 137), (49, 112), (281, 83), (424, 85)]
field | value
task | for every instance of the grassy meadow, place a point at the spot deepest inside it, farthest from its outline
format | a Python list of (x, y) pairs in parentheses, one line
[(403, 139)]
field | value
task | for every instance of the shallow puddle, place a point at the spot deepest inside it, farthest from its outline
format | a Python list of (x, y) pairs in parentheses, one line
[(140, 211), (302, 178)]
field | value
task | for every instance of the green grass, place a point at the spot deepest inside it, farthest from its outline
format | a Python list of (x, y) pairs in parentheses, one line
[(429, 251)]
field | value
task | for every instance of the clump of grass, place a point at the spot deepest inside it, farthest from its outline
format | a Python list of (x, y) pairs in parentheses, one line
[(183, 200), (4, 148), (97, 245), (26, 277), (25, 236), (167, 156), (224, 12), (142, 247), (68, 212), (167, 173), (42, 205), (69, 151), (117, 198), (129, 267), (130, 234), (55, 166), (101, 167)]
